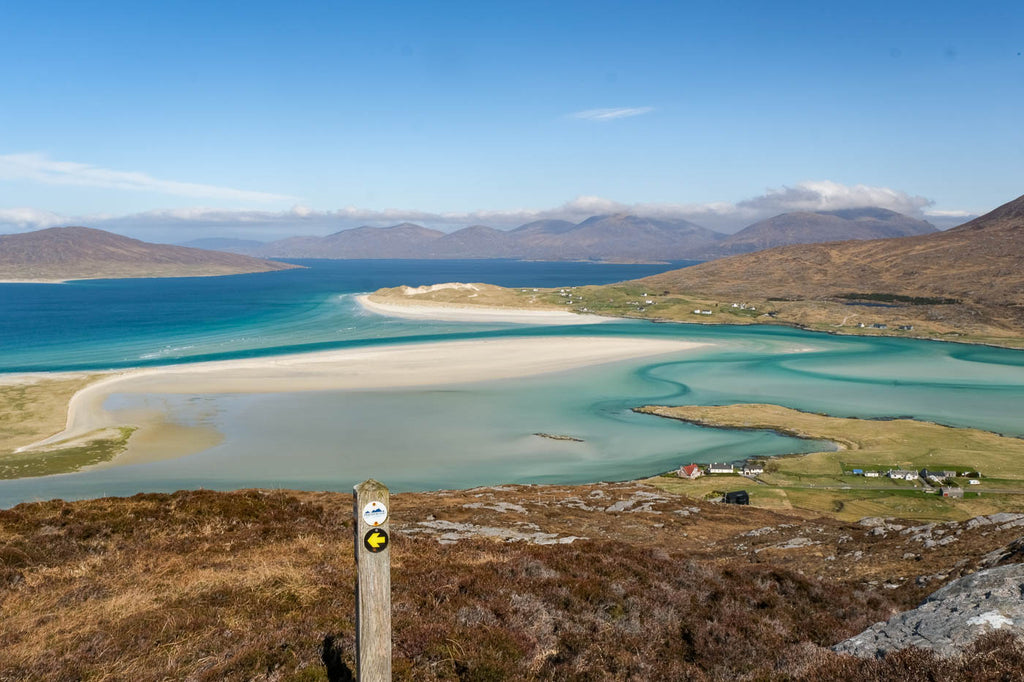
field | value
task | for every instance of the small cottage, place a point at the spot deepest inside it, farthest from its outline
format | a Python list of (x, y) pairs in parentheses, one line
[(737, 497), (720, 468), (690, 472)]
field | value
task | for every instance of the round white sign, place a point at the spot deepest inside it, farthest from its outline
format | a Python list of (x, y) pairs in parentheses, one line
[(375, 513)]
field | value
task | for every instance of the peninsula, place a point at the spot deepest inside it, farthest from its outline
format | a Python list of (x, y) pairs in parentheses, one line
[(59, 254), (965, 284)]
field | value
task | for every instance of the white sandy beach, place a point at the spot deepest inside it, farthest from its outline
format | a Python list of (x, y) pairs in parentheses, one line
[(391, 366), (469, 313)]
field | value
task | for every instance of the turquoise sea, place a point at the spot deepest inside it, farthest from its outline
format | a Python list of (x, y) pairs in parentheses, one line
[(470, 434)]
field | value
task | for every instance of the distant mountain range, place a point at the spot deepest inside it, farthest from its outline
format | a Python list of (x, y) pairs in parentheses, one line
[(224, 244), (616, 237), (981, 261), (63, 253), (80, 252)]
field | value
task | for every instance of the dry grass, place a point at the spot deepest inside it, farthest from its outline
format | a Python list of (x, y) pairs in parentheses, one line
[(33, 409), (250, 585), (967, 322)]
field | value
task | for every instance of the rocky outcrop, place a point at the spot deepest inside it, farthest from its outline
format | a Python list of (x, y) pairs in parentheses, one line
[(951, 618)]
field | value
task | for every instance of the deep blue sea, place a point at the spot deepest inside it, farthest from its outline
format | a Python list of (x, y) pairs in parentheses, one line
[(470, 434), (104, 324)]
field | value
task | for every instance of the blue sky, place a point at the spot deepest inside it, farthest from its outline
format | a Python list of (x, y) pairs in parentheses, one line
[(261, 119)]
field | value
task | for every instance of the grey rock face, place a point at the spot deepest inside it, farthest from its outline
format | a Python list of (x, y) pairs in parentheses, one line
[(951, 618)]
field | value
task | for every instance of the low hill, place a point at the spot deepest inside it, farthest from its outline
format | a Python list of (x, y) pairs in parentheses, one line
[(823, 226), (981, 261), (63, 253)]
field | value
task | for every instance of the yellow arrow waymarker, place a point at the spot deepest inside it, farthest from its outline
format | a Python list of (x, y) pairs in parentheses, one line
[(375, 540)]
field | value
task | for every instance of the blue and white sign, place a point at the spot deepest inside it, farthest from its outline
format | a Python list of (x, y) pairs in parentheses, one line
[(375, 514)]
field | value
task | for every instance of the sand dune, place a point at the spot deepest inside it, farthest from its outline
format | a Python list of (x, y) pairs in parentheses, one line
[(457, 313)]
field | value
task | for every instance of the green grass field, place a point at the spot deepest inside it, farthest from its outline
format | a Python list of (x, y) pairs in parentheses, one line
[(36, 408), (822, 481), (64, 460)]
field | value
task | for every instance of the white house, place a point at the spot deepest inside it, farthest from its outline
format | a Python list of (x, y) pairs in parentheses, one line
[(719, 468)]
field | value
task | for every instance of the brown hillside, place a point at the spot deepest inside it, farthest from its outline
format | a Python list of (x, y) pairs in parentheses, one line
[(602, 582), (980, 262), (61, 253)]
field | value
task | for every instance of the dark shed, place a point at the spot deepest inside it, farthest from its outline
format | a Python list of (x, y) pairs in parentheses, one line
[(737, 497)]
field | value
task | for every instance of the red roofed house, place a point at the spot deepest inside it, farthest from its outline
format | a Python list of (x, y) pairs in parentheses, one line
[(691, 472)]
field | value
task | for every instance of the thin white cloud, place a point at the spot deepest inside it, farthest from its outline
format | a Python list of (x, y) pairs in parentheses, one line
[(36, 167), (611, 114), (825, 195), (30, 218)]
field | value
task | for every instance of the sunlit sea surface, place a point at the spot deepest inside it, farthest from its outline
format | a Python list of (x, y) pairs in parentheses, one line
[(453, 436)]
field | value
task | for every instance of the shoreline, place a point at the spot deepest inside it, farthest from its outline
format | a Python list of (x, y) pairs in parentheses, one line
[(374, 368), (471, 313), (432, 310)]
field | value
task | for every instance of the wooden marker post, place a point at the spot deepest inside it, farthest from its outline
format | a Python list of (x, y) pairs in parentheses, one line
[(373, 582)]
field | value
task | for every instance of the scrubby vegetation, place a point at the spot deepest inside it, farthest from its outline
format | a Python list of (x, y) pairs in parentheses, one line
[(65, 459), (898, 298), (32, 409), (899, 315), (258, 585)]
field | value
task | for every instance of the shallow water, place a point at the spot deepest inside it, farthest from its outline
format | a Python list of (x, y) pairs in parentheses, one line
[(482, 433)]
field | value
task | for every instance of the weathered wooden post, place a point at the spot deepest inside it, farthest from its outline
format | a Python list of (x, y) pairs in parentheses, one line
[(373, 582)]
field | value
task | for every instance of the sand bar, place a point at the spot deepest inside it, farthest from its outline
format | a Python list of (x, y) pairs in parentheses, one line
[(390, 366), (446, 312)]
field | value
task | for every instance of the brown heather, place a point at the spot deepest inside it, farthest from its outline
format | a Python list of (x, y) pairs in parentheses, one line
[(255, 585)]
